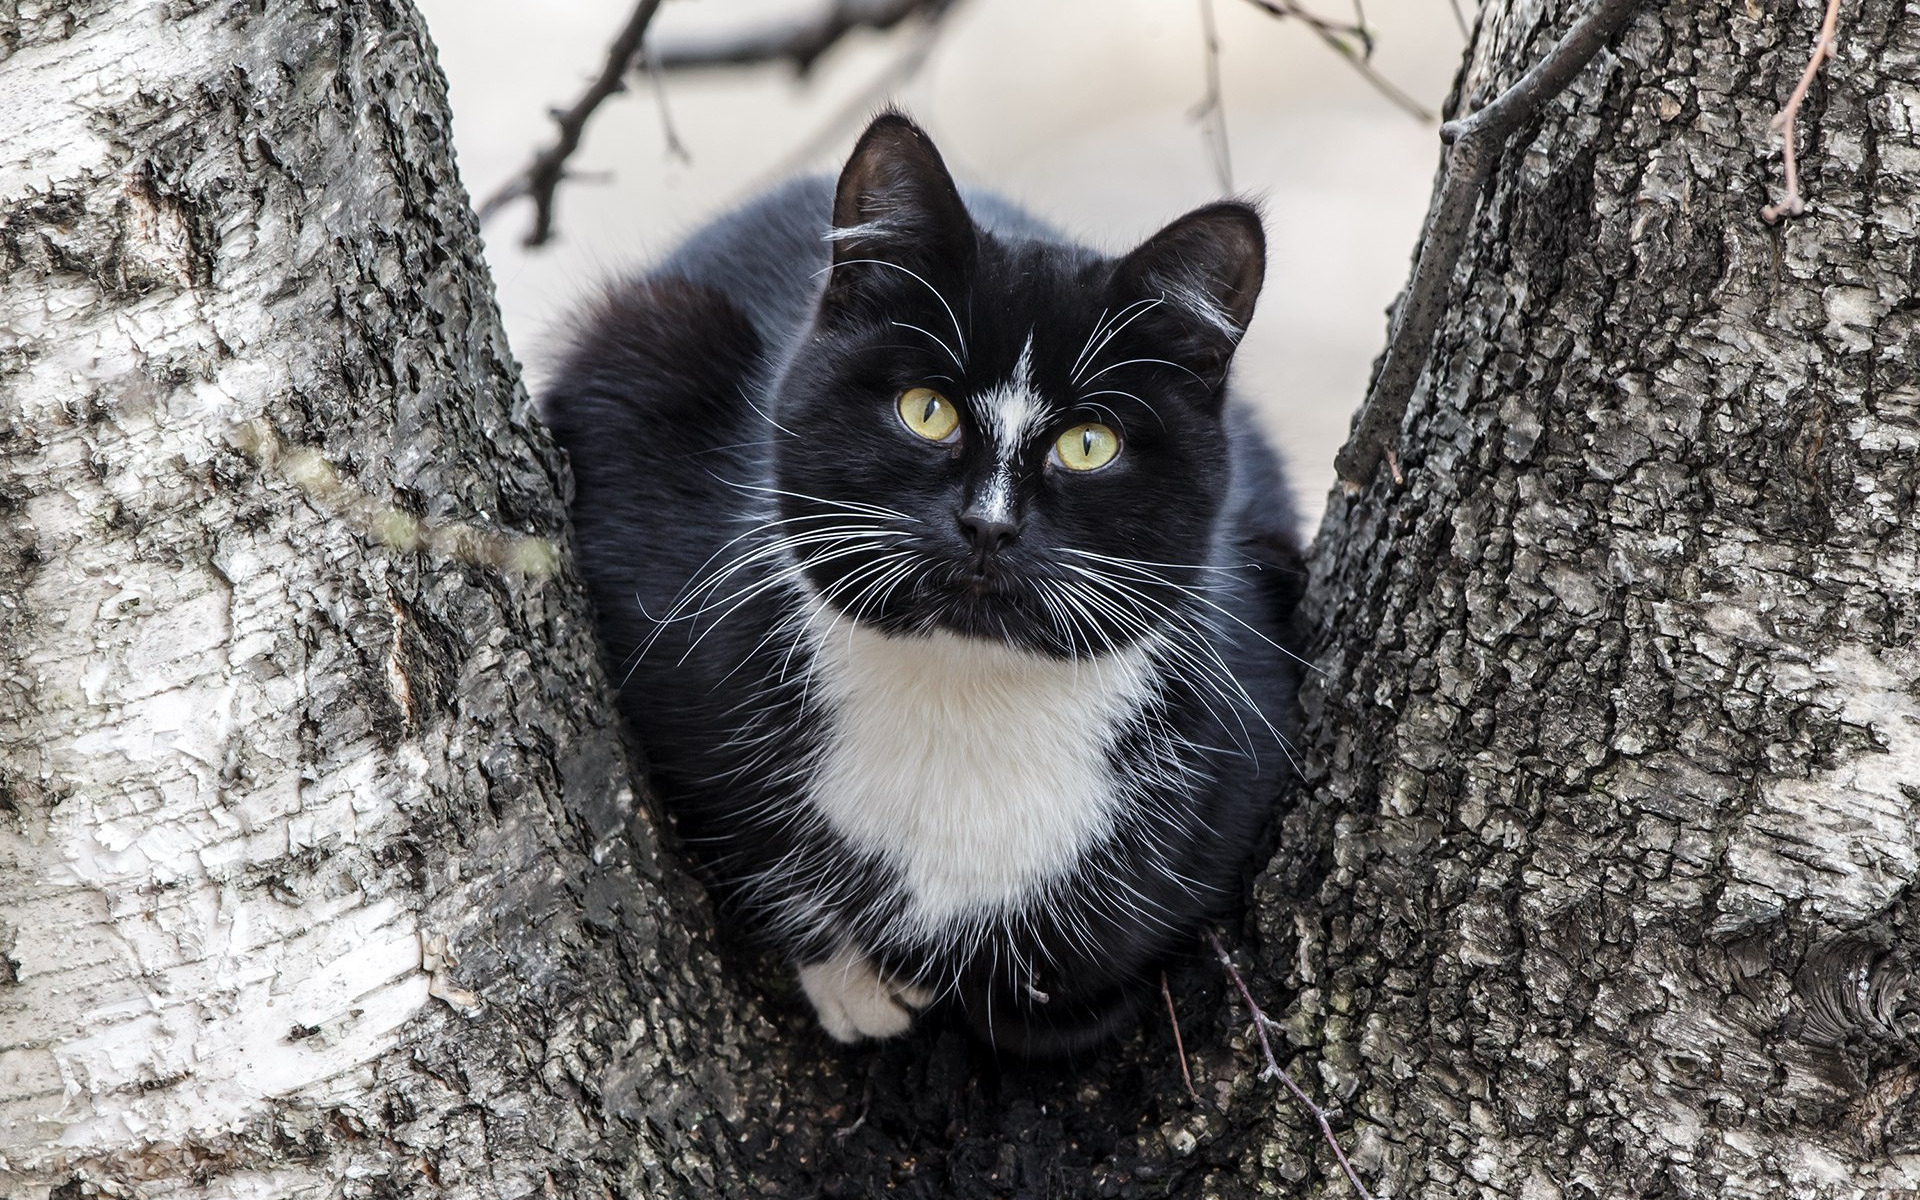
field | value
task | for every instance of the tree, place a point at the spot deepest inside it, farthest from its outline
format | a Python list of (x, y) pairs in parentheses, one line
[(321, 870), (1615, 757)]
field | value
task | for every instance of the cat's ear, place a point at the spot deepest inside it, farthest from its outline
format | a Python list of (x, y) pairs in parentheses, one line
[(895, 206), (1205, 269)]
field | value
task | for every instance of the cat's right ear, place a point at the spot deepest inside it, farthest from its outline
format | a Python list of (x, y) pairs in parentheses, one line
[(895, 208)]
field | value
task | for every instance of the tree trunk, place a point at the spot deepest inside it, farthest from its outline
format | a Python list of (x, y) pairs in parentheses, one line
[(1605, 881), (321, 870)]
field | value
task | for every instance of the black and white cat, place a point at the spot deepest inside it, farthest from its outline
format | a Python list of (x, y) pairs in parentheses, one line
[(945, 586)]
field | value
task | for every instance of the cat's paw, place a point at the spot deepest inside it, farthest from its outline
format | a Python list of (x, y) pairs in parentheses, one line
[(914, 995), (854, 1001)]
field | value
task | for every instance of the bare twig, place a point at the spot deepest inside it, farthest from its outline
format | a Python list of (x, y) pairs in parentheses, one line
[(675, 147), (1459, 18), (1475, 144), (799, 43), (1212, 109), (1179, 1043), (1792, 205), (1352, 42), (1275, 1071), (866, 1105), (542, 177), (1340, 30)]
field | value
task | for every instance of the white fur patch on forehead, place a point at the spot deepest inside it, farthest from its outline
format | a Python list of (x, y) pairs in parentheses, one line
[(1011, 412)]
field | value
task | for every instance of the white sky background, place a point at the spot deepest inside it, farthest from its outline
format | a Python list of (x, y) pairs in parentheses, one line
[(1078, 109)]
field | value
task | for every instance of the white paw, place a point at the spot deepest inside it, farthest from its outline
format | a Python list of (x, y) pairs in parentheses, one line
[(913, 995), (853, 1001)]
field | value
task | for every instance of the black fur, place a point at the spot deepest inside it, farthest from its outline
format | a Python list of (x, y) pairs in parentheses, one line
[(752, 378)]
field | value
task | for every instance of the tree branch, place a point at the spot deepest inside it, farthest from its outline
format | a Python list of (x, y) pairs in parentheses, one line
[(800, 43), (1791, 205), (1459, 18), (1212, 109), (1353, 42), (542, 177), (859, 107), (1179, 1043), (1475, 145), (1276, 1071)]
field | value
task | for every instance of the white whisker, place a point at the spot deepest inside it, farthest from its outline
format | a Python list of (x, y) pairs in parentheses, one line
[(1134, 361), (936, 339), (881, 262), (1142, 306)]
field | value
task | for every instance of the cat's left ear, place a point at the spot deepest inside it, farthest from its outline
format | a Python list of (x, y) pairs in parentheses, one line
[(1206, 269), (895, 206)]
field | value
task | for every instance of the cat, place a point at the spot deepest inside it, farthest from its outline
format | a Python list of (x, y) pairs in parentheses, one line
[(948, 593)]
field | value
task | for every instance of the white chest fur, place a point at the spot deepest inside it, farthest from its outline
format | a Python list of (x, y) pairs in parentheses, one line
[(978, 772)]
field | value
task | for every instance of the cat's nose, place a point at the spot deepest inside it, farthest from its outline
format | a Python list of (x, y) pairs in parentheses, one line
[(986, 534)]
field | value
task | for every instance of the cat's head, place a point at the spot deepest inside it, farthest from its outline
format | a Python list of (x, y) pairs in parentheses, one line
[(1008, 438)]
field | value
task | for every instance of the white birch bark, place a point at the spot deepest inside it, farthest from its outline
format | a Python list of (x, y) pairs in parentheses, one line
[(305, 765)]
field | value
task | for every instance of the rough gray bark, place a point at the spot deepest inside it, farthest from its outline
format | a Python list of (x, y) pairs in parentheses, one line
[(320, 868), (1605, 883)]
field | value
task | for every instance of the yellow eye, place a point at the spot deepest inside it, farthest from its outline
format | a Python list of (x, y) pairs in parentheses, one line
[(928, 414), (1086, 447)]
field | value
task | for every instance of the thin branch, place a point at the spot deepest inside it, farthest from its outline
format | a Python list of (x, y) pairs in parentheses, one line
[(798, 43), (1352, 42), (1791, 205), (1475, 144), (1356, 29), (866, 1105), (542, 177), (675, 147), (1275, 1071), (1212, 109), (1179, 1043)]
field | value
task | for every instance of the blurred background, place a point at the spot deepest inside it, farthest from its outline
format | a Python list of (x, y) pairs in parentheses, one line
[(1084, 111)]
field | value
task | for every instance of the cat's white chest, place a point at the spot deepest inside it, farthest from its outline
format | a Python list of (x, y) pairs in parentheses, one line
[(978, 772)]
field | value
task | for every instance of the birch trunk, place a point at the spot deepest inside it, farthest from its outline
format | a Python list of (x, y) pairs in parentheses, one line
[(322, 871), (320, 868)]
